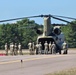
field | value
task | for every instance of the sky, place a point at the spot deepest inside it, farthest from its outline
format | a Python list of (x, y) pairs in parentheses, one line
[(23, 8)]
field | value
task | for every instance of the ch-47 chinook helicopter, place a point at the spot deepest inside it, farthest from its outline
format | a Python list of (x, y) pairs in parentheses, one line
[(50, 33)]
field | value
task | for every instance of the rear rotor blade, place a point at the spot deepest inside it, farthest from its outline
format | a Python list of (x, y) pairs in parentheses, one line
[(60, 19), (59, 24), (65, 17)]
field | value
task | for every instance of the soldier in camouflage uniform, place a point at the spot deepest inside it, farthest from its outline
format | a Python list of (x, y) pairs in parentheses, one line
[(65, 47), (20, 49), (46, 47), (15, 49), (53, 47), (6, 48), (11, 48), (39, 48), (30, 47), (33, 48), (50, 45)]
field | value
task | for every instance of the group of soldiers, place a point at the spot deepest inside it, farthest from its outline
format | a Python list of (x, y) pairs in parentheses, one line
[(48, 48), (31, 47), (34, 48), (14, 48)]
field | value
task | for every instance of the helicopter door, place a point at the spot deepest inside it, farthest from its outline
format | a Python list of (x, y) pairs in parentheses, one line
[(42, 40)]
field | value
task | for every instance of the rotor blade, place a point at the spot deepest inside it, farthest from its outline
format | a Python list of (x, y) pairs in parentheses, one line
[(59, 24), (60, 19), (20, 18), (65, 17)]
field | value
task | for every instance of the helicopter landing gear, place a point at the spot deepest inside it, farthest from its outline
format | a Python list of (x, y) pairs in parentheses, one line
[(59, 51), (65, 51), (36, 51)]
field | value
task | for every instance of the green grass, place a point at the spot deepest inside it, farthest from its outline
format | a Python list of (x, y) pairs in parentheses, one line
[(66, 72)]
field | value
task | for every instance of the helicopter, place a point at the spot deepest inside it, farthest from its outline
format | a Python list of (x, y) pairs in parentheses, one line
[(51, 32)]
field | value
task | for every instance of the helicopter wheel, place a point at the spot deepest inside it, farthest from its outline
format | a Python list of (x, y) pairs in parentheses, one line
[(36, 52), (65, 52), (59, 51)]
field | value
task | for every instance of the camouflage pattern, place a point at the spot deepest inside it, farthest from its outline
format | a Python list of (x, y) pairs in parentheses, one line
[(6, 48), (11, 48), (53, 48), (20, 49), (33, 48), (65, 47), (39, 48), (30, 45), (50, 45), (15, 49), (46, 47)]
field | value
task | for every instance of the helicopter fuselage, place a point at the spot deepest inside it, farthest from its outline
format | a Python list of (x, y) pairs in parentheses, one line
[(51, 34)]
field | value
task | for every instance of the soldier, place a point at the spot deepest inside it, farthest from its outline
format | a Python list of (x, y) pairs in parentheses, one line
[(11, 48), (39, 48), (6, 48), (46, 47), (33, 48), (20, 49), (30, 47), (50, 45), (15, 49), (65, 47), (53, 47)]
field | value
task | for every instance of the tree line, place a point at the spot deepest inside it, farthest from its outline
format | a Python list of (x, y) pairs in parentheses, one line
[(20, 32), (24, 30), (70, 33)]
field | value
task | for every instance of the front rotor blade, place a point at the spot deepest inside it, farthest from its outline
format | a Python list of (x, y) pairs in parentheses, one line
[(19, 18)]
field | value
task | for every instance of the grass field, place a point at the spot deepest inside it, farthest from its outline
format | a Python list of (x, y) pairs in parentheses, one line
[(65, 72)]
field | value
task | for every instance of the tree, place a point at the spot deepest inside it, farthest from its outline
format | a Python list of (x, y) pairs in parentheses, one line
[(20, 32), (70, 33)]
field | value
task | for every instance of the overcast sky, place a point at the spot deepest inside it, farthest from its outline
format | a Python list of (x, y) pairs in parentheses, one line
[(22, 8)]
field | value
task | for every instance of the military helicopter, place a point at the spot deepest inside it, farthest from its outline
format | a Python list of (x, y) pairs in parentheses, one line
[(51, 32)]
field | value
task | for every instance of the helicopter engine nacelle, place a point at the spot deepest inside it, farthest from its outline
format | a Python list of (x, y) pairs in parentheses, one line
[(57, 31), (38, 31)]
